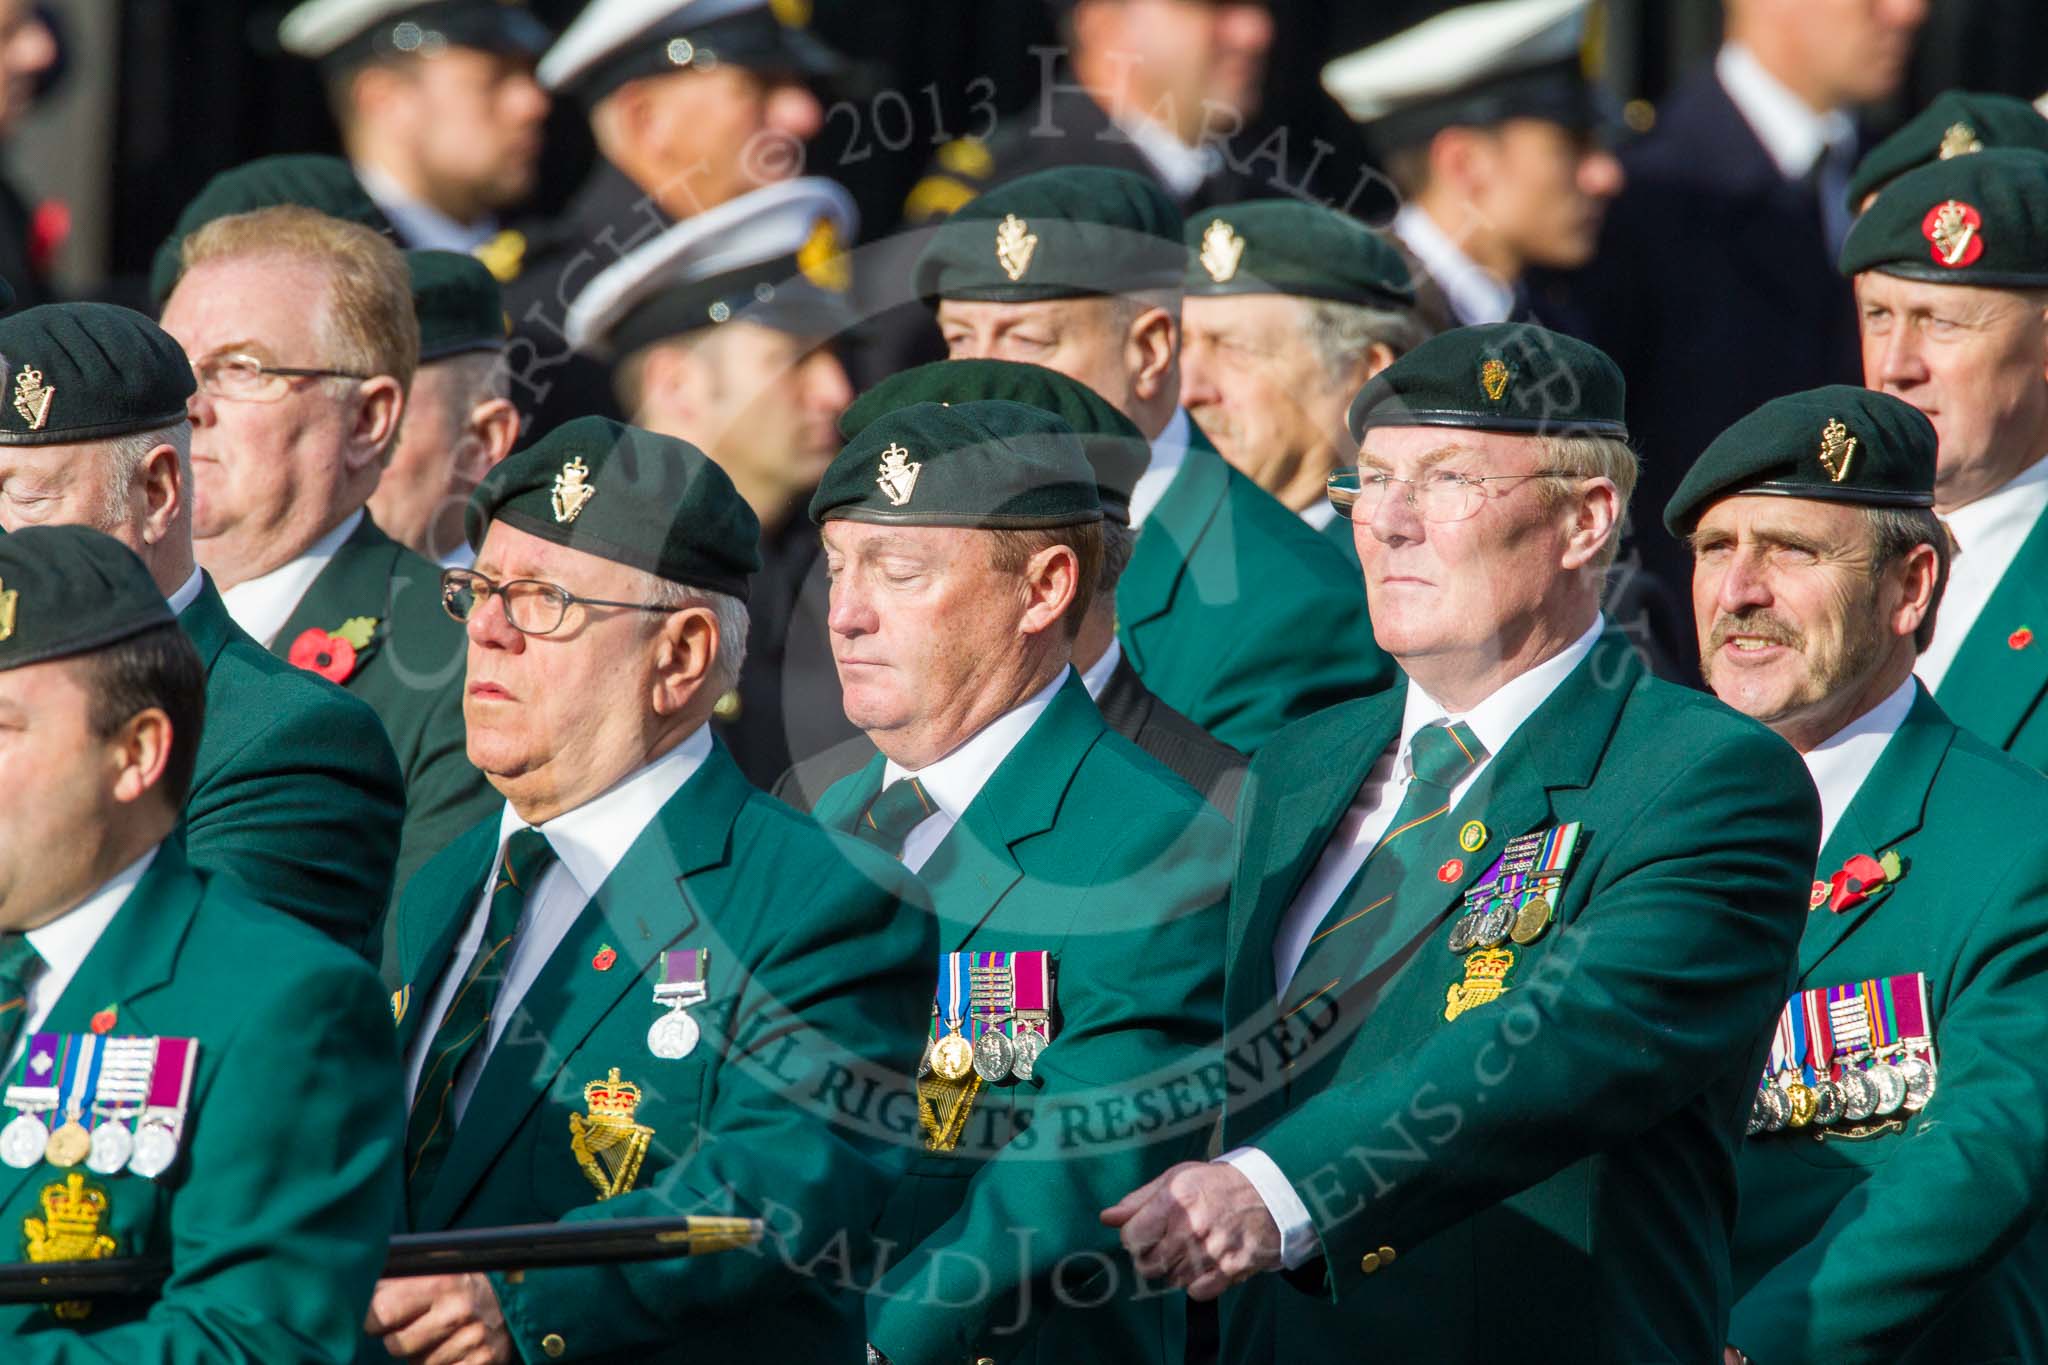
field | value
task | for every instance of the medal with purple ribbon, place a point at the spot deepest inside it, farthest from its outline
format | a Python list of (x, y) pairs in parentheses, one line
[(679, 984), (33, 1094), (161, 1129)]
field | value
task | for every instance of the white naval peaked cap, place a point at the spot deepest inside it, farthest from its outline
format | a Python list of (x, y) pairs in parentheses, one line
[(695, 263), (319, 29), (605, 26), (1455, 50)]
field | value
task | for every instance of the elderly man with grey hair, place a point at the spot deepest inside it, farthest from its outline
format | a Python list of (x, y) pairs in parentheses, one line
[(296, 790)]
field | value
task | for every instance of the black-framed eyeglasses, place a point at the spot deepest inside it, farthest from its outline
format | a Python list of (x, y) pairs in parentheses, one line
[(532, 606), (244, 378), (1438, 495)]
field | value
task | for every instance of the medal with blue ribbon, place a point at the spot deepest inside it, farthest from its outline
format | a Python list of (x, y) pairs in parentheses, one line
[(71, 1143), (946, 1095)]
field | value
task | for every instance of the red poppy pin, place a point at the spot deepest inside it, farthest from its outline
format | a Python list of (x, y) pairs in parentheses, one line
[(1862, 878), (606, 956), (104, 1021), (333, 654), (1452, 869), (2020, 638)]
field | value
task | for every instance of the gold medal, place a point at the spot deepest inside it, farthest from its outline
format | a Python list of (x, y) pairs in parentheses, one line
[(952, 1057), (1804, 1104), (69, 1145), (1531, 920)]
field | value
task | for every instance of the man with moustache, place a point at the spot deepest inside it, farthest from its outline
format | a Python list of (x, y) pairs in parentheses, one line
[(1950, 267), (1514, 929), (1891, 1192)]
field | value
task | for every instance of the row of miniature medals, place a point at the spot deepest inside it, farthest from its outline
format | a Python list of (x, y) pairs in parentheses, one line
[(1843, 1055), (992, 1017), (113, 1104)]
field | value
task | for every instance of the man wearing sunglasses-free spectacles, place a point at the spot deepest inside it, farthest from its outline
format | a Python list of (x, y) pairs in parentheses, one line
[(533, 606)]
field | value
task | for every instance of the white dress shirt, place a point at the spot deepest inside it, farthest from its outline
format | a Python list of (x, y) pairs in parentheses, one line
[(1494, 721), (589, 843), (1319, 513), (1476, 294), (954, 781), (422, 226), (187, 593), (1169, 452), (66, 941), (1989, 533), (1096, 676), (1839, 764), (1180, 168), (1791, 132), (262, 605)]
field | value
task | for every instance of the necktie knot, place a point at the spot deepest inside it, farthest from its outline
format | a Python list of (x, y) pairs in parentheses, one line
[(1443, 754), (900, 808), (527, 855)]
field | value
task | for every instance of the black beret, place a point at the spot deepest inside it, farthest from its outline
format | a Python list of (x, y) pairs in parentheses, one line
[(1513, 377), (1980, 219), (1285, 246), (1835, 444), (88, 372), (627, 495), (1956, 123), (340, 34), (1116, 449), (988, 465), (67, 590), (458, 303), (1058, 234), (316, 182)]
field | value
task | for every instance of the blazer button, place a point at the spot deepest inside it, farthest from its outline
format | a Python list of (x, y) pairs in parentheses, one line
[(1369, 1262), (1386, 1255), (552, 1345), (984, 1360)]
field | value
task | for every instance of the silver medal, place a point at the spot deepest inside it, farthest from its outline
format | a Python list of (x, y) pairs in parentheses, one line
[(1891, 1088), (993, 1056), (1827, 1104), (112, 1147), (673, 1036), (22, 1141), (1777, 1109), (1029, 1044), (1462, 931), (1493, 927), (1859, 1094), (156, 1147), (1919, 1078), (1755, 1123)]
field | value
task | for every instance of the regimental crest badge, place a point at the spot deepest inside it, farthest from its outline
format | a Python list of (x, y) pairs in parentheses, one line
[(822, 259), (1222, 249), (9, 599), (1493, 378), (1015, 244), (1954, 233), (571, 492), (75, 1214), (32, 397), (1486, 979), (401, 1000), (899, 475), (608, 1144), (1837, 447), (1959, 140)]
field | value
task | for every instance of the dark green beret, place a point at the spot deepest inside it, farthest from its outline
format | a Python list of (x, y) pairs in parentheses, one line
[(87, 372), (990, 465), (1058, 234), (627, 495), (1836, 444), (1116, 449), (316, 182), (1956, 123), (68, 590), (458, 303), (1285, 246), (1980, 219), (1514, 377)]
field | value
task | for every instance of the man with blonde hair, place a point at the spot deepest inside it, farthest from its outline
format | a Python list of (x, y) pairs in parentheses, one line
[(300, 328)]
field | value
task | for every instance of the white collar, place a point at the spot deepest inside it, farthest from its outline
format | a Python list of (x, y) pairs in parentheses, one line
[(1841, 763), (592, 840), (66, 941), (1169, 451), (262, 605), (1475, 293), (1496, 719), (1319, 513), (2018, 501), (1096, 676), (1793, 135), (422, 226), (187, 593), (955, 780), (1182, 168)]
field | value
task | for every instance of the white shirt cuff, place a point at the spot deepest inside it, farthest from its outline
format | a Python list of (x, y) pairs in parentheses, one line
[(1298, 1242)]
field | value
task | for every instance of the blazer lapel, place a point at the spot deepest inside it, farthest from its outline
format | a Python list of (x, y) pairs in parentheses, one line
[(428, 926), (1890, 805), (356, 582), (1992, 688), (642, 908), (207, 624), (1166, 543)]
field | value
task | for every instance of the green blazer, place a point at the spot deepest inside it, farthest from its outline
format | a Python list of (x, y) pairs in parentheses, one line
[(1338, 532), (296, 790), (1237, 613), (1923, 1244), (1999, 678), (821, 952), (1555, 1166), (275, 1215), (1083, 846), (411, 675)]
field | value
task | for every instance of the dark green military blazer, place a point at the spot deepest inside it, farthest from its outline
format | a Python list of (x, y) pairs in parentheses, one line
[(1555, 1166), (1237, 613), (275, 1215), (1082, 846), (1998, 680), (1339, 533), (821, 953), (411, 675), (1922, 1243), (296, 790)]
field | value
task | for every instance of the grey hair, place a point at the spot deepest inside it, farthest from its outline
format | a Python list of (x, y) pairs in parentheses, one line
[(125, 455), (1343, 333), (1896, 532), (1118, 540), (730, 613)]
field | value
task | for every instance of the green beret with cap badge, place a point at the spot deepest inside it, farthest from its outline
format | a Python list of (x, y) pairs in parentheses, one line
[(1068, 233), (87, 372), (1286, 246), (988, 465), (1840, 443), (1980, 219), (627, 495), (324, 183), (458, 303), (1955, 123), (1512, 377), (69, 590)]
